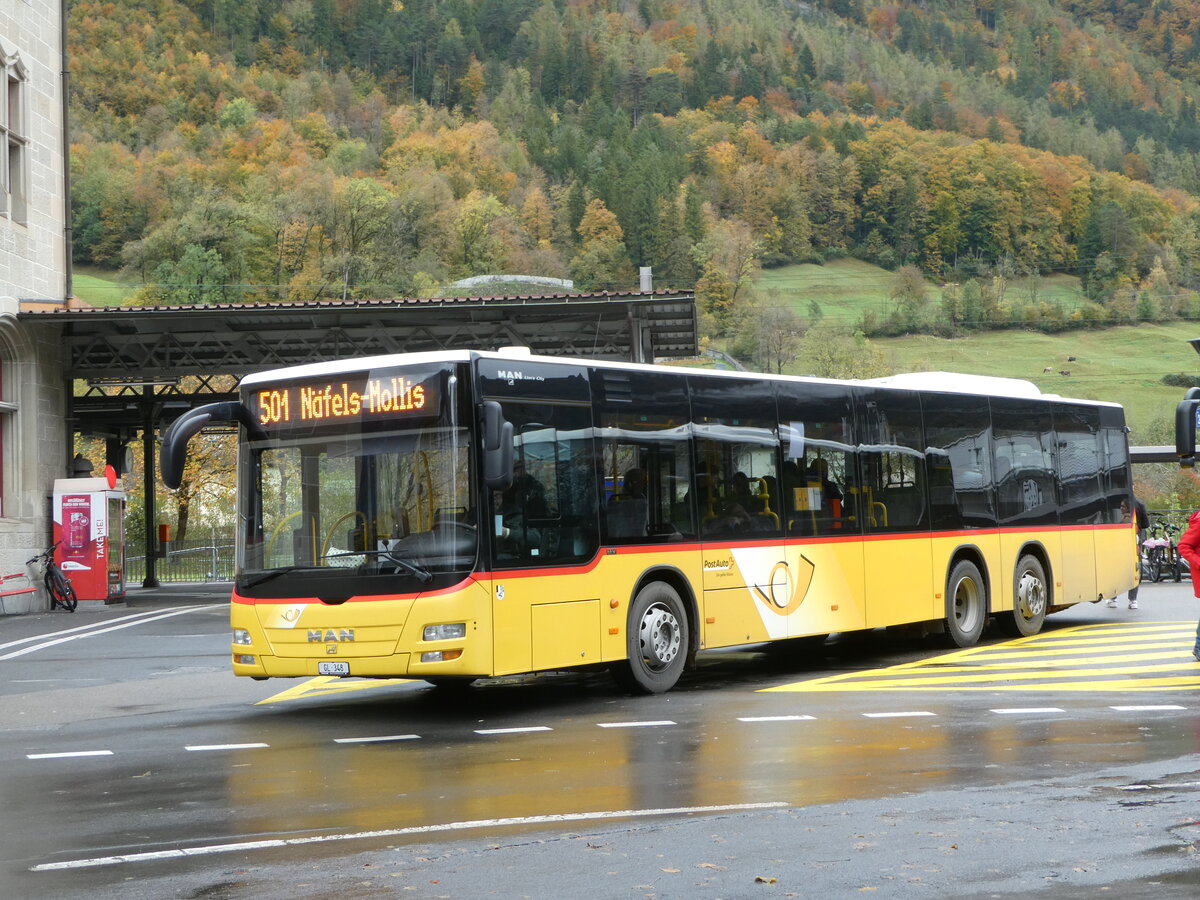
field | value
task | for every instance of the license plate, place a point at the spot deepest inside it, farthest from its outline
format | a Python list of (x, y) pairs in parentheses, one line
[(333, 668)]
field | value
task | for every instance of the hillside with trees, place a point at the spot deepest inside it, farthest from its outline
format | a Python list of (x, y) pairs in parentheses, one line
[(227, 151)]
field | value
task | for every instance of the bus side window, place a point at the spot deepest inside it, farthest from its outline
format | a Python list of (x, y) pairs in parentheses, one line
[(642, 483), (1081, 497), (892, 457), (819, 478), (959, 464), (1116, 463), (1022, 439)]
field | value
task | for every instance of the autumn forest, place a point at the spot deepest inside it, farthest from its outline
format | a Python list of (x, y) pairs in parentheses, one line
[(228, 150)]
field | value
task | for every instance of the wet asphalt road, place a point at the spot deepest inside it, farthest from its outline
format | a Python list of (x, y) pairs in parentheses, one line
[(133, 765)]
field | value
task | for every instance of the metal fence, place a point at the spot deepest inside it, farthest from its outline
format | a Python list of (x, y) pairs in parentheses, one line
[(199, 560), (1176, 517)]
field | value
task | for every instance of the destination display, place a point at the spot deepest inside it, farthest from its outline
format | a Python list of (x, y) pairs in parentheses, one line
[(346, 398)]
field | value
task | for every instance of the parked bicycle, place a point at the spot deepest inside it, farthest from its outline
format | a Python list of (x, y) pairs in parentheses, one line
[(1160, 556), (58, 585)]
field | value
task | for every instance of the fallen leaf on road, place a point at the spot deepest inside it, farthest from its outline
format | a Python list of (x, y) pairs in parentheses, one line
[(761, 879)]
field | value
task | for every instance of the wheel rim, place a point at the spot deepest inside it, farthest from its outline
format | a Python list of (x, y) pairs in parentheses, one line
[(1031, 596), (966, 603), (659, 634)]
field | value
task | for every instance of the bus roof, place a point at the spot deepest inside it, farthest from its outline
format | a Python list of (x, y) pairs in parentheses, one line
[(942, 382), (959, 383)]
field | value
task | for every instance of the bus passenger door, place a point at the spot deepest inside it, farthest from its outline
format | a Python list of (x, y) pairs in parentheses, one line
[(823, 579), (735, 501), (543, 532)]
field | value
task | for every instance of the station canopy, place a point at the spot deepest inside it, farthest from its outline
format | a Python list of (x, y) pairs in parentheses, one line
[(129, 363)]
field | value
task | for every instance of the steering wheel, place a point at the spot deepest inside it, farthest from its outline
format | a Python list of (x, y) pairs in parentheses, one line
[(333, 528)]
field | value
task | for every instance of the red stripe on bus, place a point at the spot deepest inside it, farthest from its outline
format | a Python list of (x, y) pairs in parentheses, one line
[(697, 546)]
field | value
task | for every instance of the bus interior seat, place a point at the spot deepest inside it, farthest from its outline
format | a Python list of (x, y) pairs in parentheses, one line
[(627, 518)]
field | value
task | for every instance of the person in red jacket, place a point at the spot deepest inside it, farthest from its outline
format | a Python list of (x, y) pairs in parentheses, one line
[(1189, 549)]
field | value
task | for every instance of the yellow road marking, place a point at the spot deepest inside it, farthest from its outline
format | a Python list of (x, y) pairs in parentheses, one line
[(325, 685), (1029, 660), (1096, 657)]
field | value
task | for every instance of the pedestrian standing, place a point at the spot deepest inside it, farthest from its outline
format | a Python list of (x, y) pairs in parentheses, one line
[(1142, 517), (1189, 549)]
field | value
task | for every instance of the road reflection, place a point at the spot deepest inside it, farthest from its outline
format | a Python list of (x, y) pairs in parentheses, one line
[(307, 783)]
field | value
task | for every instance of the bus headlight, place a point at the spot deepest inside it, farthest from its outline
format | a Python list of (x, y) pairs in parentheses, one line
[(446, 632), (241, 636), (243, 659), (440, 655)]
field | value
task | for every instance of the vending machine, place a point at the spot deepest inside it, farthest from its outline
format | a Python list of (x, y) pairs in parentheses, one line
[(89, 529)]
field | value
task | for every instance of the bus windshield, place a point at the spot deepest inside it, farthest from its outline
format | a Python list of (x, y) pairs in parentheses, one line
[(357, 514)]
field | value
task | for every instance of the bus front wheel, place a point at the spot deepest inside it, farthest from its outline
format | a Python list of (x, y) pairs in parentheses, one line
[(966, 604), (1031, 597), (656, 640)]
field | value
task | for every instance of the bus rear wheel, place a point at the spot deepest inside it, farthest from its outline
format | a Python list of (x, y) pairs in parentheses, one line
[(1031, 597), (966, 604), (656, 641)]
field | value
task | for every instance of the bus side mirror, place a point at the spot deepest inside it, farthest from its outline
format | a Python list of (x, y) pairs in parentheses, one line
[(1185, 429), (173, 453), (497, 447)]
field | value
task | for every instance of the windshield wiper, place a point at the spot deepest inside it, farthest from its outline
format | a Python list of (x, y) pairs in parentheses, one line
[(271, 575), (419, 572)]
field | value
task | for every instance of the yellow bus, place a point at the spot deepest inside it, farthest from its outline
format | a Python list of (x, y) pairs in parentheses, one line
[(455, 515)]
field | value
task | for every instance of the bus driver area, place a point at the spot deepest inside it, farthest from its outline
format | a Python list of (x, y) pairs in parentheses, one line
[(457, 515)]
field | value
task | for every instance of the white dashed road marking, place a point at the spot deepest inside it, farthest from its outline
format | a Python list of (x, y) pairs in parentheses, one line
[(513, 730), (531, 729), (70, 754), (899, 715), (374, 740)]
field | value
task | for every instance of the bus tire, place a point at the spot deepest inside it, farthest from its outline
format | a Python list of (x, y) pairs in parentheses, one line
[(1031, 597), (966, 604), (656, 641)]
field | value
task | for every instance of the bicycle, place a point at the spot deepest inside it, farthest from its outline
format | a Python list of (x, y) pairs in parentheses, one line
[(1172, 562), (58, 585), (1160, 556)]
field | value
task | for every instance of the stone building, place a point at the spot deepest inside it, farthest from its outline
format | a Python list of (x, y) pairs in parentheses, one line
[(34, 273)]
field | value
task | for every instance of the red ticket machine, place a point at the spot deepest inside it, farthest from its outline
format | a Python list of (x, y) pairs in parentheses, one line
[(89, 527)]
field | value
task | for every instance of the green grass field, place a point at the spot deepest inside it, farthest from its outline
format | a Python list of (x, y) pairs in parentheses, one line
[(1123, 364), (98, 287), (845, 289)]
